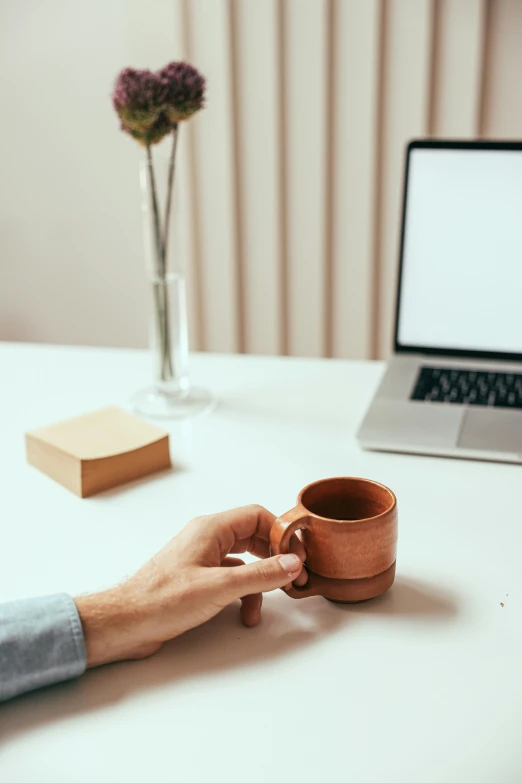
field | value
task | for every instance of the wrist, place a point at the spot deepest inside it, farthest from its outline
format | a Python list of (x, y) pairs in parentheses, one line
[(113, 627)]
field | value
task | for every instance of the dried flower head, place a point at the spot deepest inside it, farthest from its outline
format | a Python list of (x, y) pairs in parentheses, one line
[(150, 104), (135, 99), (184, 90)]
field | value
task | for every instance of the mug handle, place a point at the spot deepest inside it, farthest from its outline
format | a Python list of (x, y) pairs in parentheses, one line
[(280, 534)]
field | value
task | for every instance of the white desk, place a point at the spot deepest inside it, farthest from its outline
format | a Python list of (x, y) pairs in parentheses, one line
[(421, 685)]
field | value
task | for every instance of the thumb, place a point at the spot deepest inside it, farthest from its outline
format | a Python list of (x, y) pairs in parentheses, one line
[(263, 575)]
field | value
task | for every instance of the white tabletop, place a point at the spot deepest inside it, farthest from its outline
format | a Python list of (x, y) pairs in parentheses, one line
[(423, 684)]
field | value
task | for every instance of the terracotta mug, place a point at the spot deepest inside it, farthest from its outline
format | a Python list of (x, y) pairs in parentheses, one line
[(349, 530)]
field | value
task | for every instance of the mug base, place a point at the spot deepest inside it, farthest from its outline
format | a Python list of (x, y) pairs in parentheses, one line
[(347, 591), (356, 591)]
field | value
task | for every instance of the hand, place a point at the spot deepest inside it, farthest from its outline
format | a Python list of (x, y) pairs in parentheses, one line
[(189, 581)]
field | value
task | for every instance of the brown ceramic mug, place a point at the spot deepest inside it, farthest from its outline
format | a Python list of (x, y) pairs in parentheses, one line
[(349, 530)]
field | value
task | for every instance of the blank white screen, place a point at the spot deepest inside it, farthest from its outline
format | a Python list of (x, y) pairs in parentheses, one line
[(462, 262)]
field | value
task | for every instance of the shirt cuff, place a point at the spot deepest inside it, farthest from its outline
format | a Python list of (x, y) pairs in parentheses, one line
[(41, 643)]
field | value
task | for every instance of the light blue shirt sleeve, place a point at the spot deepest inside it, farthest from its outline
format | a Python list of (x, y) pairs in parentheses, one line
[(41, 643)]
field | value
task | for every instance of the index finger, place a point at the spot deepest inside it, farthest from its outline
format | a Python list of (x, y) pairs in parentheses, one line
[(247, 529), (241, 523)]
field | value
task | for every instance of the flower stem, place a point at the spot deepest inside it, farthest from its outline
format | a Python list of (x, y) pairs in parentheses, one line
[(160, 294), (172, 169), (160, 261), (161, 326)]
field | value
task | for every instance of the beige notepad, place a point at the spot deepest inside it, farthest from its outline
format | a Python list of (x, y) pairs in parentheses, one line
[(98, 451)]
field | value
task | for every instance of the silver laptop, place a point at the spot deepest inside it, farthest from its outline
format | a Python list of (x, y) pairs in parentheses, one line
[(454, 384)]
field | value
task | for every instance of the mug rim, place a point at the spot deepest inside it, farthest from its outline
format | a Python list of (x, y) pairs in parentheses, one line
[(348, 478)]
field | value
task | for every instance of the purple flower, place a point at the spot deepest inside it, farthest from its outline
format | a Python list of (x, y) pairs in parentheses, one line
[(150, 104), (183, 88), (135, 99), (135, 90)]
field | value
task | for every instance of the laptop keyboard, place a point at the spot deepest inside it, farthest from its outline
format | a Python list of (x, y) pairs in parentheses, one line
[(469, 387)]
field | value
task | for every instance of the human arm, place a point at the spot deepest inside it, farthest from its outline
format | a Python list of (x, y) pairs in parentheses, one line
[(46, 640), (41, 643), (185, 584)]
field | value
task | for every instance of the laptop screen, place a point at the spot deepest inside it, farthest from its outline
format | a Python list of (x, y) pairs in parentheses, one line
[(461, 279)]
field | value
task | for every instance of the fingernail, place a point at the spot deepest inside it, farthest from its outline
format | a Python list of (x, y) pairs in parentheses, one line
[(290, 563)]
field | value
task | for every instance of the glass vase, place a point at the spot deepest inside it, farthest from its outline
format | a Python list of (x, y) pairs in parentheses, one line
[(171, 395)]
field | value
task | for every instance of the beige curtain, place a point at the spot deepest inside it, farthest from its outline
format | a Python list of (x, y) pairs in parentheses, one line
[(289, 183), (294, 176)]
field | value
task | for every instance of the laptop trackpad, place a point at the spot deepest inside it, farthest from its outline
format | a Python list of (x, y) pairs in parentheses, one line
[(492, 429), (412, 423)]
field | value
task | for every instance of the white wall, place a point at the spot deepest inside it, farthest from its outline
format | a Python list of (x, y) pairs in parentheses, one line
[(70, 243), (289, 180)]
